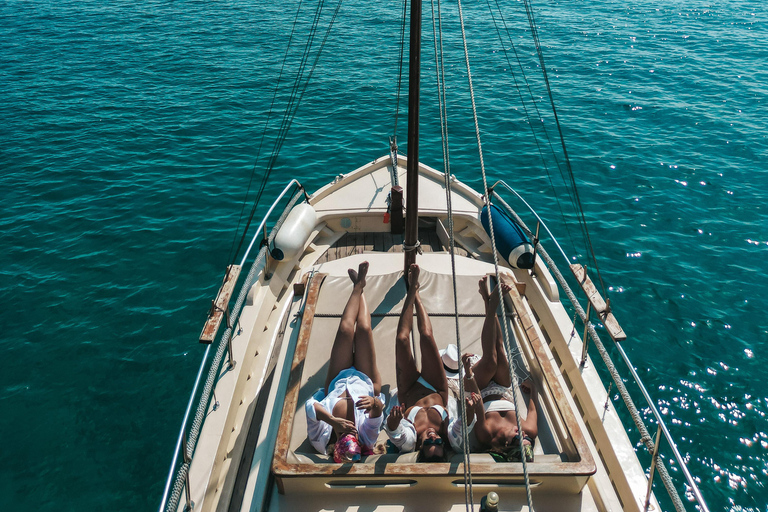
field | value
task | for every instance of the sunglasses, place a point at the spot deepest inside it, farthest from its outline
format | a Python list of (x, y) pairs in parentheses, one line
[(433, 442)]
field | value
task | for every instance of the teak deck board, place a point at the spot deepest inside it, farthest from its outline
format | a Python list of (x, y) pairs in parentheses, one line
[(360, 242)]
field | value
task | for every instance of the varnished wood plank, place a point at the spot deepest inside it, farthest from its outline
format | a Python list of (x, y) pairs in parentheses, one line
[(426, 246), (388, 242), (220, 304), (286, 471), (598, 304), (297, 367)]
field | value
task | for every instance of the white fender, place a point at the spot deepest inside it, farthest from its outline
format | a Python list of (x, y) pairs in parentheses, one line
[(294, 232)]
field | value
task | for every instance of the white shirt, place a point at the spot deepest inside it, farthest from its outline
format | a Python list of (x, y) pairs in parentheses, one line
[(358, 385), (404, 435)]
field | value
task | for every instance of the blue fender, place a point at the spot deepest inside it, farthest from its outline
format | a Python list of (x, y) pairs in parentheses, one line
[(511, 242)]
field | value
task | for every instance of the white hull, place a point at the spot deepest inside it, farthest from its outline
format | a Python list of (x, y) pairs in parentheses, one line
[(597, 468)]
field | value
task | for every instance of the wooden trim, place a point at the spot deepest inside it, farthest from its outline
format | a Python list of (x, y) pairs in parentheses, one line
[(297, 368), (550, 376), (507, 472), (220, 305), (598, 304)]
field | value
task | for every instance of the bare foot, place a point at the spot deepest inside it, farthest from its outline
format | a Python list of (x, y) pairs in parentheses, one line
[(495, 298), (484, 288), (362, 272), (413, 278)]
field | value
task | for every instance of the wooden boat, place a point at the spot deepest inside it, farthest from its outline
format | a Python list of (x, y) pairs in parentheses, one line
[(246, 446)]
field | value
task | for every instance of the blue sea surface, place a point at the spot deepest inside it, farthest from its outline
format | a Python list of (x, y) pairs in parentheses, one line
[(129, 132)]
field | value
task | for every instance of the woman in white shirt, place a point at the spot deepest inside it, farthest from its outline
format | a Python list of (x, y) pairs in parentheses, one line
[(348, 411), (422, 422)]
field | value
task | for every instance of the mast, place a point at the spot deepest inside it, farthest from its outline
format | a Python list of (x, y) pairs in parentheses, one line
[(412, 168)]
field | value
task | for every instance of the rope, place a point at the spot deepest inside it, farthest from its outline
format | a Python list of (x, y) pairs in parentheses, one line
[(400, 68), (486, 198), (232, 256), (294, 100), (582, 219), (633, 411), (213, 372), (392, 314), (469, 497), (539, 117), (414, 247)]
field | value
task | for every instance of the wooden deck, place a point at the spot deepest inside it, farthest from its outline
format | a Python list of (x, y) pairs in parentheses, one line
[(358, 243)]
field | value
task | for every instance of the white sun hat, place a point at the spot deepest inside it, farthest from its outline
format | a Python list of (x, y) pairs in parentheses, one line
[(450, 357)]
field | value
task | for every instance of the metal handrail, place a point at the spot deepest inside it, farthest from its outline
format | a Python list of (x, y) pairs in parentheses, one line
[(182, 430), (180, 440), (530, 208), (269, 212), (678, 457)]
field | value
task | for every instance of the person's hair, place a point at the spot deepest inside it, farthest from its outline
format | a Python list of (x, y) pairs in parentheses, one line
[(422, 457)]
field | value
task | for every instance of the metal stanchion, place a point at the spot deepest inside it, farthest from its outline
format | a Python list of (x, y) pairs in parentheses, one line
[(232, 361), (653, 469), (585, 339), (187, 460)]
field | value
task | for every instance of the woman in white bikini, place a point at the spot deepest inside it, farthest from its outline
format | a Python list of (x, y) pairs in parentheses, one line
[(421, 423), (348, 411), (496, 428)]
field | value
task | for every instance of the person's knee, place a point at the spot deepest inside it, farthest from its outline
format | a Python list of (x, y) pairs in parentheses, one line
[(402, 339), (347, 328), (364, 324)]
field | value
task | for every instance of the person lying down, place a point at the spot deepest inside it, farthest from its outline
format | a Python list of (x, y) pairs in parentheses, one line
[(344, 418), (421, 423), (496, 428)]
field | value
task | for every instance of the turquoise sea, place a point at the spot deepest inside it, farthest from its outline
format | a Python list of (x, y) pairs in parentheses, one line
[(129, 131)]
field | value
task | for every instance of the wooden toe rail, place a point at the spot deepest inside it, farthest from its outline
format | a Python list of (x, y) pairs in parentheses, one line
[(598, 304)]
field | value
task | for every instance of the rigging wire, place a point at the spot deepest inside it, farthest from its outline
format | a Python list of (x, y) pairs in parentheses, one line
[(400, 66), (469, 497), (297, 93), (539, 117), (580, 209), (231, 257), (487, 199)]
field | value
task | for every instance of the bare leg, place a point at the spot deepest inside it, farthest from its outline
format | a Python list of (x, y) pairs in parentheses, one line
[(407, 373), (431, 364), (365, 352), (342, 356), (502, 375), (486, 368)]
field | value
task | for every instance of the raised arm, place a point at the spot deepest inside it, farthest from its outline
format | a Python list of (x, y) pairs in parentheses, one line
[(531, 424)]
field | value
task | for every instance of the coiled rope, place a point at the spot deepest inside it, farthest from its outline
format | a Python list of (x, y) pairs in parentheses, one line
[(486, 197), (213, 372)]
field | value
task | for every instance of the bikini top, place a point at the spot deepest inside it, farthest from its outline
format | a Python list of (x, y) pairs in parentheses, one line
[(417, 408)]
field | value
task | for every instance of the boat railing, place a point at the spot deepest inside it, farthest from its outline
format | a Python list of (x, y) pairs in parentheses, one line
[(178, 475), (653, 447)]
